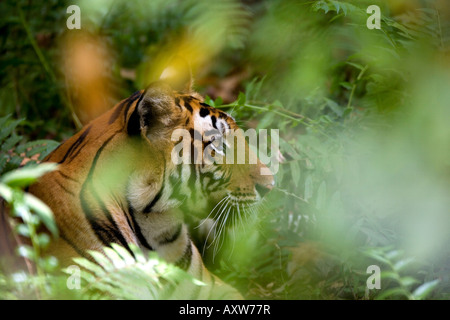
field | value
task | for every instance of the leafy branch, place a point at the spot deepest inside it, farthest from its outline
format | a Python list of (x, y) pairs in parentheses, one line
[(31, 212), (399, 283)]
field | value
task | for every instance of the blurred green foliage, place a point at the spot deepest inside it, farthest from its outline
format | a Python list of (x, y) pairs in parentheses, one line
[(363, 118)]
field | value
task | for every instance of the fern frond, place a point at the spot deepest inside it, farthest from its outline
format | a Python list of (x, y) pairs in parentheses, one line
[(118, 274)]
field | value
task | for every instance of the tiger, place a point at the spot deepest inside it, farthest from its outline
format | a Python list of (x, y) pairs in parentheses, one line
[(116, 182)]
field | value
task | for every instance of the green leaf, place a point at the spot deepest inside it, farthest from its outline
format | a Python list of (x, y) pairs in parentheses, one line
[(321, 5), (89, 265), (336, 5), (43, 240), (137, 252), (8, 129), (241, 99), (11, 142), (6, 192), (390, 275), (49, 263), (25, 176), (425, 289), (26, 252), (266, 120), (394, 292), (346, 85), (102, 260), (356, 65), (394, 254), (44, 213), (334, 107), (347, 112), (218, 102), (41, 147), (124, 253), (22, 211), (209, 101), (402, 264), (114, 257), (23, 230), (408, 281), (4, 119), (377, 256)]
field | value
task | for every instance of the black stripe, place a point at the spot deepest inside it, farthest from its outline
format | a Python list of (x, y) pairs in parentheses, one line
[(52, 153), (204, 112), (134, 123), (127, 216), (106, 233), (125, 114), (172, 237), (74, 247), (187, 99), (138, 231), (76, 144), (177, 102), (188, 106), (211, 180), (185, 261), (78, 151), (128, 101), (147, 113), (114, 232), (117, 112), (195, 134), (149, 207), (66, 176), (64, 188), (214, 120)]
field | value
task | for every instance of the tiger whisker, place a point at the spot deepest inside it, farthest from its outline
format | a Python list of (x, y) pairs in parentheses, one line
[(203, 221), (239, 211), (222, 227), (233, 224), (218, 234), (220, 243), (216, 220), (221, 208), (242, 220)]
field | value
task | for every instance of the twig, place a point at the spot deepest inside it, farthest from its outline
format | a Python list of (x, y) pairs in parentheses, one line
[(354, 85)]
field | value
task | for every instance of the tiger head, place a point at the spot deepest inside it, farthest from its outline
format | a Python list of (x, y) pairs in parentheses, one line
[(193, 138)]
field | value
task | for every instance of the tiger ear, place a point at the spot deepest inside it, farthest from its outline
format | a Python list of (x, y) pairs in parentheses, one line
[(155, 114), (178, 75)]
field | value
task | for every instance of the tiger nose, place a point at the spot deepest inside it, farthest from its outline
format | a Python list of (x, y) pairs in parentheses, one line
[(264, 189)]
